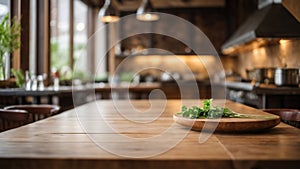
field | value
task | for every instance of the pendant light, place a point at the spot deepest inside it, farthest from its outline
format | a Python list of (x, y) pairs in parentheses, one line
[(108, 13), (145, 12)]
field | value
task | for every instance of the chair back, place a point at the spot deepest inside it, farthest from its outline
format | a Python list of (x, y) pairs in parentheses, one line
[(289, 116), (10, 119), (37, 112)]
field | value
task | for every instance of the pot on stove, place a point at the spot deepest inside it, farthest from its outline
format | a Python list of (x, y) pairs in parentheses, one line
[(262, 75), (287, 76)]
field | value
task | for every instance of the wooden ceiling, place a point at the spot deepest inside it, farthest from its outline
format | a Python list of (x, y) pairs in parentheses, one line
[(131, 5)]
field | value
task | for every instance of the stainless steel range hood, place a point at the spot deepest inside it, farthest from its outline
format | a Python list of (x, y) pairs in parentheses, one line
[(272, 21)]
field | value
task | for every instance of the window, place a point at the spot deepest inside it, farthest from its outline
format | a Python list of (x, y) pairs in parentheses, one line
[(60, 37), (80, 40), (68, 30), (4, 8), (4, 58), (59, 26), (33, 37)]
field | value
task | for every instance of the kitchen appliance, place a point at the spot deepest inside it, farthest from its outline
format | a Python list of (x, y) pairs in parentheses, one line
[(273, 20), (287, 77)]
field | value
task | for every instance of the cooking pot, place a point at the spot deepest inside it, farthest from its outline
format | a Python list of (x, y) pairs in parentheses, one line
[(262, 75), (250, 74), (287, 77)]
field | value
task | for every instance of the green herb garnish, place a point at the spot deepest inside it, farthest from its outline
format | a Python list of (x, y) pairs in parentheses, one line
[(209, 111)]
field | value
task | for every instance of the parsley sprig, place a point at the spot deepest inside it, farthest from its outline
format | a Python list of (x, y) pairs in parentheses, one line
[(209, 111)]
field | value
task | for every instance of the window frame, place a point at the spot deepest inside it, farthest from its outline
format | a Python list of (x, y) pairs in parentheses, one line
[(20, 58)]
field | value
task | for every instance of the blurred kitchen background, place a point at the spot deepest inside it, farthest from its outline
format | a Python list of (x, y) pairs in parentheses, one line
[(59, 37)]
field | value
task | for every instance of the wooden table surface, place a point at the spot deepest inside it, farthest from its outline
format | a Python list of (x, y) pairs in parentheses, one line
[(107, 134)]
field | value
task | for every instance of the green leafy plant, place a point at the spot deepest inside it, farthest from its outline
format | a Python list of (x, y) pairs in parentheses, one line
[(9, 39), (19, 75)]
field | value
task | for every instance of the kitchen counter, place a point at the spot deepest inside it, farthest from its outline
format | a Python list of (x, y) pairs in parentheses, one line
[(264, 88), (264, 95), (123, 90), (62, 142), (99, 87), (274, 90), (46, 92), (240, 85), (65, 93), (106, 87), (62, 96)]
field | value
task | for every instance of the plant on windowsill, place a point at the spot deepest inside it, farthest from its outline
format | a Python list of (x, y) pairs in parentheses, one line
[(9, 41)]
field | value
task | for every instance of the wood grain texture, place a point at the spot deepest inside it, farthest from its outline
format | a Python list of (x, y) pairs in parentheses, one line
[(68, 140)]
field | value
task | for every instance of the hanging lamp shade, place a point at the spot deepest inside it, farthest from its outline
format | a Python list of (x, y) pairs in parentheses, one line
[(145, 12), (108, 13)]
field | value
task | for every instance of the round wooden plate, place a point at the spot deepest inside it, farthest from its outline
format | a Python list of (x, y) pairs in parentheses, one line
[(258, 123)]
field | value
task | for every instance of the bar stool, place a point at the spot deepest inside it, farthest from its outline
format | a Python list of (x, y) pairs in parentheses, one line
[(10, 119), (289, 116), (37, 112)]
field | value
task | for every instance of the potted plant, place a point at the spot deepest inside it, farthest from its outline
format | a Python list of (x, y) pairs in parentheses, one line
[(9, 41)]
